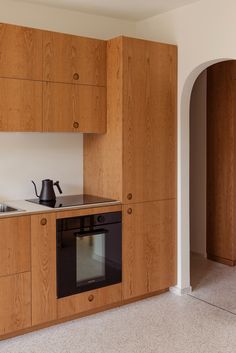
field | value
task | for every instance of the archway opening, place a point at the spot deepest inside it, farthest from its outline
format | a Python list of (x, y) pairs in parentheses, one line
[(211, 185)]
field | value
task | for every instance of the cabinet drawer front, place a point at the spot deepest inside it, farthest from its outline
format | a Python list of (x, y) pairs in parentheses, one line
[(149, 247), (14, 245), (69, 58), (90, 300), (20, 52), (15, 303), (65, 105), (20, 105)]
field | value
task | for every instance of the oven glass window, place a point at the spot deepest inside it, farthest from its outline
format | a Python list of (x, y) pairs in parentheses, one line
[(90, 258)]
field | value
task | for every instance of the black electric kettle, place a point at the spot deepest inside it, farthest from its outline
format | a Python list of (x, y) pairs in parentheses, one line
[(47, 193)]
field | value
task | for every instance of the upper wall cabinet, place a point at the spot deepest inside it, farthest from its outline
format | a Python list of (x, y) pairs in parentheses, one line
[(20, 52), (73, 59)]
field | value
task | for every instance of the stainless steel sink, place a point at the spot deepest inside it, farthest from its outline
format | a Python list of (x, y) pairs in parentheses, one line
[(5, 208)]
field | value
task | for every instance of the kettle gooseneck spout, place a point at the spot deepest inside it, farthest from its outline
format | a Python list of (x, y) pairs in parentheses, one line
[(36, 192)]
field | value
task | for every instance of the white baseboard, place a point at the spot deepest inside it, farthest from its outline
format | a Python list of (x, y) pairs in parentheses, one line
[(180, 291)]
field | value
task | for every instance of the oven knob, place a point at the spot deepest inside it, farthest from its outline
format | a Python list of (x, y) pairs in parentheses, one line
[(101, 219)]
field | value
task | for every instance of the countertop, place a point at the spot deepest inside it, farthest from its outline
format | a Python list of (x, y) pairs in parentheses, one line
[(27, 208)]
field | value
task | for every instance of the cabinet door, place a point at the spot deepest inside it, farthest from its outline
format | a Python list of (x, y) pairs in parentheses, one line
[(15, 302), (20, 52), (87, 301), (69, 58), (20, 105), (74, 108), (43, 254), (149, 121), (14, 245), (149, 247)]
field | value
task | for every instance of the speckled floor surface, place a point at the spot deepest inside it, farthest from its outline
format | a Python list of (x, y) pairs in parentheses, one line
[(163, 324), (213, 282)]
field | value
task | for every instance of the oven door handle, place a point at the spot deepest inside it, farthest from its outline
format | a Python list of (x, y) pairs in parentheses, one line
[(89, 233)]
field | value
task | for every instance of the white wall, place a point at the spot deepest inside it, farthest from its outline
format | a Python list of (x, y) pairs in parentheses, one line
[(198, 172), (205, 33), (25, 156)]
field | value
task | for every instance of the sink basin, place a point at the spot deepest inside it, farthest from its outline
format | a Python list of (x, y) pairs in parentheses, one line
[(5, 208)]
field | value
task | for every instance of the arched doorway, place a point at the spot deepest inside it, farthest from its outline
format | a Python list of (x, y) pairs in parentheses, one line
[(210, 144)]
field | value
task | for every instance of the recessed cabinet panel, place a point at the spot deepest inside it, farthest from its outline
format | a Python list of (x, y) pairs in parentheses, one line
[(149, 121), (20, 52), (14, 245), (15, 302), (149, 247), (74, 108), (73, 59), (20, 105)]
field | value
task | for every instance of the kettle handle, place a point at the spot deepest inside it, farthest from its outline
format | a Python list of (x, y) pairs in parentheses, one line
[(35, 188), (58, 186)]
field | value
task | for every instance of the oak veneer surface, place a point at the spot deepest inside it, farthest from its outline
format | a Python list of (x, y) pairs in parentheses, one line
[(15, 302), (14, 245), (221, 160), (88, 211), (65, 104), (149, 247), (43, 254), (89, 300), (149, 120), (64, 55), (20, 52), (20, 105), (138, 154)]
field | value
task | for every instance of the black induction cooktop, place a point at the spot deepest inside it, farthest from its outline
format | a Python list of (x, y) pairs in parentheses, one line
[(71, 200)]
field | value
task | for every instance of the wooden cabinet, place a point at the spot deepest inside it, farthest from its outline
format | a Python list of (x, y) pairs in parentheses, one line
[(74, 108), (221, 162), (91, 300), (43, 254), (14, 245), (149, 247), (15, 302), (136, 160), (20, 105), (72, 59), (20, 52)]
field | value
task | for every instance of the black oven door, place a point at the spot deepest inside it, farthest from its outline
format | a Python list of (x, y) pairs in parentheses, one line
[(88, 258)]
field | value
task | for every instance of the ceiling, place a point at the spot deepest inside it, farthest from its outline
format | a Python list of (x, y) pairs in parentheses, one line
[(124, 9)]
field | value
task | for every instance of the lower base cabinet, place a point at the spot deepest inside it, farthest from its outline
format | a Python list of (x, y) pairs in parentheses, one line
[(149, 247), (91, 300), (15, 302)]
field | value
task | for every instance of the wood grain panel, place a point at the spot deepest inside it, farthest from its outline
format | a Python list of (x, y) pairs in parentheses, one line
[(149, 247), (82, 302), (221, 160), (20, 52), (103, 153), (14, 245), (64, 55), (43, 254), (15, 302), (149, 121), (65, 104), (88, 211), (20, 105)]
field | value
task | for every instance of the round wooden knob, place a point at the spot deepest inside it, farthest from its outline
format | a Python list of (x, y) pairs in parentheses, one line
[(129, 211), (90, 298), (43, 221), (76, 76), (129, 196), (75, 125)]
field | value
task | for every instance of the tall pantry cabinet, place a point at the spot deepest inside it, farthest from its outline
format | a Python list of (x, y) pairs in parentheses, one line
[(135, 161)]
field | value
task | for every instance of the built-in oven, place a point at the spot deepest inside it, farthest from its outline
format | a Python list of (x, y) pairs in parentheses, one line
[(89, 252)]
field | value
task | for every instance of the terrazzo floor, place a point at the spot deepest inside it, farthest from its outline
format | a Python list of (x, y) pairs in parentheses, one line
[(163, 324), (214, 283)]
